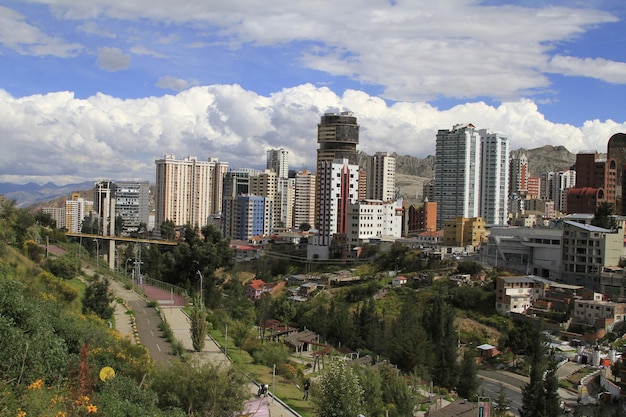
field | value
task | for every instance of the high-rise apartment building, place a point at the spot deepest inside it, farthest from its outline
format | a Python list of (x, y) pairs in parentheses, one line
[(534, 187), (188, 191), (560, 183), (494, 178), (286, 202), (304, 199), (338, 137), (518, 176), (381, 177), (278, 161), (57, 214), (456, 186), (373, 219), (338, 189), (132, 204), (471, 175), (76, 209), (253, 217)]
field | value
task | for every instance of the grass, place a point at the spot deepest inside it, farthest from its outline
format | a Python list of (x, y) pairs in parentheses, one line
[(283, 388)]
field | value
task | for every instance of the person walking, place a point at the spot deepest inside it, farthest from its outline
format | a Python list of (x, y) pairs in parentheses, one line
[(307, 385)]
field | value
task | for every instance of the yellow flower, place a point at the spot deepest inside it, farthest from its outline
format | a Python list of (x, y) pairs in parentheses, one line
[(20, 413), (36, 385), (92, 408), (61, 414)]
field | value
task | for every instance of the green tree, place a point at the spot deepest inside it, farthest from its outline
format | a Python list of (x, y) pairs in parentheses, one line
[(372, 383), (168, 230), (305, 227), (201, 388), (65, 266), (603, 216), (467, 387), (199, 325), (439, 325), (501, 406), (338, 392), (98, 299)]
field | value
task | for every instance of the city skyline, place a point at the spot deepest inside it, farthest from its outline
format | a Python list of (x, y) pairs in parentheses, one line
[(104, 89)]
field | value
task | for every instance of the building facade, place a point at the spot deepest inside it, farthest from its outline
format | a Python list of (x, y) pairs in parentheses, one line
[(381, 177), (132, 204), (304, 199), (338, 189), (278, 161), (373, 220), (494, 184), (456, 187), (188, 191)]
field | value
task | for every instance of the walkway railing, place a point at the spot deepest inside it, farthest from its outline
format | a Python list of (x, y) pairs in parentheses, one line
[(166, 286)]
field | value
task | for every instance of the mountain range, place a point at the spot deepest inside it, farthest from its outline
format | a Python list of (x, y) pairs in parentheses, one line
[(411, 173)]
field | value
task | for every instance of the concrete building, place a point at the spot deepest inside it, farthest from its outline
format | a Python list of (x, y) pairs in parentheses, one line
[(304, 199), (132, 204), (535, 251), (463, 232), (420, 219), (57, 214), (518, 176), (76, 209), (188, 191), (616, 150), (338, 137), (286, 202), (370, 220), (381, 177), (596, 181), (457, 173), (338, 189), (278, 161), (534, 185), (104, 206), (494, 184), (597, 313), (560, 183), (253, 217), (588, 250)]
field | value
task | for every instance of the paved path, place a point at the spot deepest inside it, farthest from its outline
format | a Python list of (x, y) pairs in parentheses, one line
[(148, 334)]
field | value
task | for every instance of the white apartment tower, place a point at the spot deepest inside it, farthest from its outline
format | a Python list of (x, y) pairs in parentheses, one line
[(456, 186), (561, 182), (381, 177), (188, 191), (304, 199), (494, 178), (76, 209), (339, 188), (278, 161)]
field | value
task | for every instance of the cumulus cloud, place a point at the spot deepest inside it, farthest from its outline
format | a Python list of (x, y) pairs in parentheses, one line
[(102, 136), (113, 59)]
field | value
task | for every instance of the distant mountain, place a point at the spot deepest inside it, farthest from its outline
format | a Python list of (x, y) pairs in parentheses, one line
[(26, 195)]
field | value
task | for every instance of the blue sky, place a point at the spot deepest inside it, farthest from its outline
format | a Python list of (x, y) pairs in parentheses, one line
[(102, 88)]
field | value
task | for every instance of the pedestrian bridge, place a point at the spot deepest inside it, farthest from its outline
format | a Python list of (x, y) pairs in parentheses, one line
[(109, 250)]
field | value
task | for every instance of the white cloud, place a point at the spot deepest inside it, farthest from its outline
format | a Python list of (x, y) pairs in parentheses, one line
[(602, 69), (54, 137), (27, 39), (415, 50), (113, 59)]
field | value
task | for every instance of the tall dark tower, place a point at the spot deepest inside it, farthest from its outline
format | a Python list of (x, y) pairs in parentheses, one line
[(616, 150), (338, 136)]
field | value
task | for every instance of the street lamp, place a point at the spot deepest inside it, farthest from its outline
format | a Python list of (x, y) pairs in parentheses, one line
[(97, 253), (126, 267)]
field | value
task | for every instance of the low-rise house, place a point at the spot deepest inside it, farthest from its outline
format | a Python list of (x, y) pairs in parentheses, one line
[(598, 314), (257, 287), (398, 281)]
